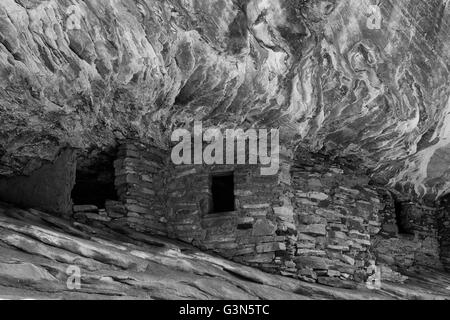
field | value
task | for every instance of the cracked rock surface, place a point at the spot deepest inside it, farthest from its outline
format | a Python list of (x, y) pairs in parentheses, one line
[(337, 75)]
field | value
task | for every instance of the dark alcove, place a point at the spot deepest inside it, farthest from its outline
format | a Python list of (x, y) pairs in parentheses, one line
[(222, 189), (94, 182), (47, 188), (401, 217)]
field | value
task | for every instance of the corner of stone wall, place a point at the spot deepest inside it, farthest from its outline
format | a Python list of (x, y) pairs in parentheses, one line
[(140, 172)]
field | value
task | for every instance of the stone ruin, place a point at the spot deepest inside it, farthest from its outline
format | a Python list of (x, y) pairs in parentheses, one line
[(91, 91), (318, 219)]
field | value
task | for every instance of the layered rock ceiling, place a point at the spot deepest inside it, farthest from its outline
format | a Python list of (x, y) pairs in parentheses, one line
[(88, 73)]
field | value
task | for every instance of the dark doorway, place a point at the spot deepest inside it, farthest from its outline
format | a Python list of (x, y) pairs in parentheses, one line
[(94, 181), (401, 218), (223, 192)]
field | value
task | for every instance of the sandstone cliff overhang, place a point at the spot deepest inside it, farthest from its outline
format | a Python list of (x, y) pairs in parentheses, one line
[(90, 72)]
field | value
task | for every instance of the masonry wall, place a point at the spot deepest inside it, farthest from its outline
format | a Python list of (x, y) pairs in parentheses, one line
[(251, 234), (317, 219), (344, 222), (336, 215), (444, 230), (176, 201), (417, 244), (140, 178)]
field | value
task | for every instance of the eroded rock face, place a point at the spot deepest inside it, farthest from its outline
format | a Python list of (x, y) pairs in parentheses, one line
[(331, 74), (47, 188)]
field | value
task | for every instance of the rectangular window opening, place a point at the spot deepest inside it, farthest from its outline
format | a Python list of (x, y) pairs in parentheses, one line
[(222, 189), (402, 220)]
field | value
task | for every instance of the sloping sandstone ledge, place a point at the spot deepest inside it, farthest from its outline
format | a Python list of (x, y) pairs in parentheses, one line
[(36, 249)]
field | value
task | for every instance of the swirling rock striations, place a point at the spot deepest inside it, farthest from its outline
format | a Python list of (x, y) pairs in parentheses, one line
[(346, 77)]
